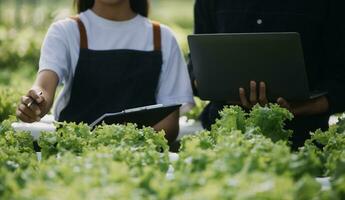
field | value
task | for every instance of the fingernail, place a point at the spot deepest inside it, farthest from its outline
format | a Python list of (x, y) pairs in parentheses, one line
[(38, 112), (38, 119)]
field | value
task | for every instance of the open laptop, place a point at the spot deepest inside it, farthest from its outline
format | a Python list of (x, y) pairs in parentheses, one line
[(223, 63)]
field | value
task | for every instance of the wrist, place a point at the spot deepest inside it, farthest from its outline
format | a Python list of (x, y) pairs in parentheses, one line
[(310, 107)]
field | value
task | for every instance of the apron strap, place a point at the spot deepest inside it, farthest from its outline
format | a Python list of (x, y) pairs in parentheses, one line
[(82, 31), (157, 38), (157, 41)]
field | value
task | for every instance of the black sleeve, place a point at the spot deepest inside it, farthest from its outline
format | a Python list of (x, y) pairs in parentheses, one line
[(204, 16), (334, 48), (203, 23)]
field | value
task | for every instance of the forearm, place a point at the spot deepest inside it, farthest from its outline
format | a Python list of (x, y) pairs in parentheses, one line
[(310, 107), (47, 82), (170, 125)]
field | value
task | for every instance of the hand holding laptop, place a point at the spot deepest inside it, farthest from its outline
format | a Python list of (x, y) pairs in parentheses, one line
[(308, 107), (261, 99), (254, 98)]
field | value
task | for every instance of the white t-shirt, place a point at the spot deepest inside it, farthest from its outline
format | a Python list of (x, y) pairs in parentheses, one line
[(60, 53)]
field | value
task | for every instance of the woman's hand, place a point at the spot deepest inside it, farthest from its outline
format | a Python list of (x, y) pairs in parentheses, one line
[(38, 101), (32, 106), (253, 97)]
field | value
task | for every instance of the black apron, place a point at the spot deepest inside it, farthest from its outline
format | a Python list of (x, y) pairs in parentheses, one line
[(112, 80)]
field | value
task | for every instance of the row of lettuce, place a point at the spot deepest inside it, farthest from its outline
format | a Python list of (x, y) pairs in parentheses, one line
[(244, 156)]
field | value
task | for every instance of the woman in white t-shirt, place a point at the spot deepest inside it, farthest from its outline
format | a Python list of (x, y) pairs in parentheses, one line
[(109, 58)]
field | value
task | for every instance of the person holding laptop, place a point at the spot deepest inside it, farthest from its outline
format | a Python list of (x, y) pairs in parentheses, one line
[(321, 25), (109, 58)]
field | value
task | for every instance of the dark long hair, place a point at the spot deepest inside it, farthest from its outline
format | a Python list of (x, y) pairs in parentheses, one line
[(139, 6)]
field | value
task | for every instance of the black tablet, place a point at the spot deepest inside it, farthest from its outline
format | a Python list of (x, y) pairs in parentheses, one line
[(142, 116)]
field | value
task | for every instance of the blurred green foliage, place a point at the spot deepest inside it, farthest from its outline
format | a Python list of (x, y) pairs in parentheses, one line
[(178, 15), (23, 24), (9, 98)]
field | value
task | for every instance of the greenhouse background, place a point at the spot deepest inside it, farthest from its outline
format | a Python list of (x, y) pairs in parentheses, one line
[(23, 24)]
